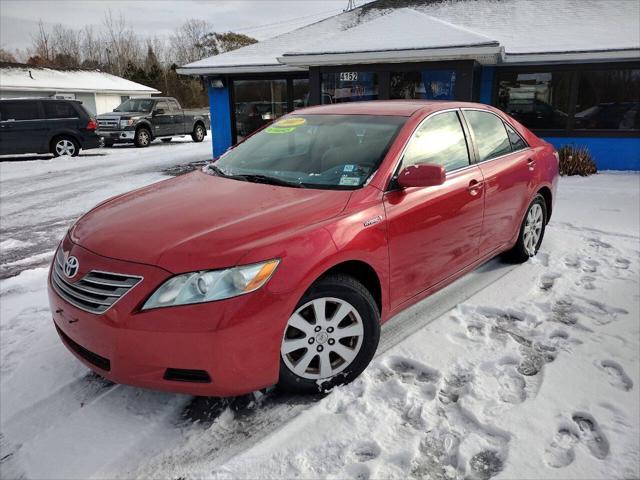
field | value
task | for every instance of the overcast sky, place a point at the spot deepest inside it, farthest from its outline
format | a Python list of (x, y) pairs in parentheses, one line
[(258, 18)]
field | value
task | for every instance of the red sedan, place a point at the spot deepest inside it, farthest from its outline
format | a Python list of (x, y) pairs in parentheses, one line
[(278, 263)]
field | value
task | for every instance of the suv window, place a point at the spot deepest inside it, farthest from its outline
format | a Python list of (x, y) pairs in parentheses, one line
[(489, 133), (517, 143), (438, 140), (175, 107), (59, 110), (163, 105), (19, 110)]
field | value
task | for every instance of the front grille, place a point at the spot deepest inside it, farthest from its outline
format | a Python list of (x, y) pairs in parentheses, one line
[(108, 123), (96, 292), (89, 356)]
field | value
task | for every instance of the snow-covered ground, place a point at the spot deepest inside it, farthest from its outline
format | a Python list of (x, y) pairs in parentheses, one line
[(525, 371)]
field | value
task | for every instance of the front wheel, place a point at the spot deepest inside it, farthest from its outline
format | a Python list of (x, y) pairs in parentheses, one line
[(198, 133), (531, 231), (65, 146), (331, 336), (142, 138)]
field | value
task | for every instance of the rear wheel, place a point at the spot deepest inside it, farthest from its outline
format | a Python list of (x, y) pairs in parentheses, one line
[(531, 231), (331, 336), (142, 137), (65, 146), (198, 133)]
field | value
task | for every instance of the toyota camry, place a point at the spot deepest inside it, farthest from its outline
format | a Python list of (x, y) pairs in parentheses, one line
[(278, 262)]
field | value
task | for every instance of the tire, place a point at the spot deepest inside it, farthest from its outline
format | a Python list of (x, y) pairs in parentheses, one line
[(166, 140), (142, 137), (531, 232), (65, 145), (198, 133), (314, 343), (108, 143)]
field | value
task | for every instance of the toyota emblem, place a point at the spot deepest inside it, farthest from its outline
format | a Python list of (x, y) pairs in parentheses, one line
[(71, 266)]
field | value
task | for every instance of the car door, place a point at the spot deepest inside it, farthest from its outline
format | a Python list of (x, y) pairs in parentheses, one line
[(433, 232), (179, 127), (508, 166), (22, 128), (162, 119)]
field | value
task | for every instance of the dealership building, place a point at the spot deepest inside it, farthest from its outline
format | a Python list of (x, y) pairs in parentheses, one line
[(567, 69)]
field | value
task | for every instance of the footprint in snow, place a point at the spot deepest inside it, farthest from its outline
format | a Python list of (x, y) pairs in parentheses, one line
[(485, 465), (358, 471), (412, 371), (454, 386), (512, 386), (622, 263), (548, 280), (584, 431), (365, 451), (618, 378), (597, 243), (560, 451)]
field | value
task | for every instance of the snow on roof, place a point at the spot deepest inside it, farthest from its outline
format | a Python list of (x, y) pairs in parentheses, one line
[(27, 78), (521, 27), (418, 31)]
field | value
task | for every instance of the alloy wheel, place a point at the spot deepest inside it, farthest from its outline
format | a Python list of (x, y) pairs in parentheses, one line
[(143, 137), (65, 147), (533, 228), (199, 133), (322, 338)]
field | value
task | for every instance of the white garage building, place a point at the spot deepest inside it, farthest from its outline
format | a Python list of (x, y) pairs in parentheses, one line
[(99, 92)]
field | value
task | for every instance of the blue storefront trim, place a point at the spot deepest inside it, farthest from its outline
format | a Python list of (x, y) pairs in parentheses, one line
[(609, 153), (219, 107), (486, 85)]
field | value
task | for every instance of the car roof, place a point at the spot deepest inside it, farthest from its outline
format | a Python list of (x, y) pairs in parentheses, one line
[(402, 108), (39, 99)]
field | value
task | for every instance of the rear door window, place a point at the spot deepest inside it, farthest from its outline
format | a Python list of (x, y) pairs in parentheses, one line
[(439, 140), (19, 111), (59, 110), (489, 133), (174, 105), (163, 105)]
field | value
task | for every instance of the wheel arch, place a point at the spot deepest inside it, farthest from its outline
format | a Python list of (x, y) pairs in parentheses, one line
[(147, 126), (63, 133), (548, 199), (363, 273)]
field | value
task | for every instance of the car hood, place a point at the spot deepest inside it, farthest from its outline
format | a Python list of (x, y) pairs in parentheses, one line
[(122, 114), (199, 221)]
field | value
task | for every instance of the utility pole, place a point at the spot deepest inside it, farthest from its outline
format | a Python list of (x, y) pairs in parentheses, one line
[(350, 6)]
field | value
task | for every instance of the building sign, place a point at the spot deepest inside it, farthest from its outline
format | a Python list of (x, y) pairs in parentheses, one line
[(348, 76)]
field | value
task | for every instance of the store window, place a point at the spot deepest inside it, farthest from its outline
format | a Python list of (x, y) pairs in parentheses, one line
[(300, 93), (537, 100), (258, 102), (439, 140), (429, 84), (349, 87), (608, 100)]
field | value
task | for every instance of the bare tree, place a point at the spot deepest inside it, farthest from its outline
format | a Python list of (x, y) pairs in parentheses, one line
[(6, 56), (123, 45), (187, 41), (42, 45)]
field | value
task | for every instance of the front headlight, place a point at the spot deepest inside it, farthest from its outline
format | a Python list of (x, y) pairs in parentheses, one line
[(127, 123), (209, 285)]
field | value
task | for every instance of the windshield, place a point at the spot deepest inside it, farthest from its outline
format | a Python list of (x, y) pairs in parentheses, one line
[(321, 151), (135, 105)]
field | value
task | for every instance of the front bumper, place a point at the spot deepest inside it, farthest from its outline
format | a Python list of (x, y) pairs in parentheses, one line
[(235, 341), (117, 135)]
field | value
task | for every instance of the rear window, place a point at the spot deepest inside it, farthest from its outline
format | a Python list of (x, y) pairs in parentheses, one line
[(19, 111), (59, 110)]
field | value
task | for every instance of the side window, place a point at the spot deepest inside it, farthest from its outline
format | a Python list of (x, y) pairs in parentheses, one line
[(19, 111), (59, 110), (517, 143), (174, 106), (163, 105), (489, 133), (438, 140)]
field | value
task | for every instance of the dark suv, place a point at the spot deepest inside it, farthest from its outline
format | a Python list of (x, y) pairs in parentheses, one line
[(46, 125)]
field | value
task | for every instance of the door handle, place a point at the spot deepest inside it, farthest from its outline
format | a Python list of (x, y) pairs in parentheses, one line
[(531, 163), (475, 186)]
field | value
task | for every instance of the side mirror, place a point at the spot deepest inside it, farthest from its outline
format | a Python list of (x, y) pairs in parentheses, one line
[(158, 111), (422, 175)]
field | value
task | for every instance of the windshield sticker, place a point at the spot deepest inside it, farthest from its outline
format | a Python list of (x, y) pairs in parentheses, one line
[(278, 130), (291, 122), (350, 181), (348, 168)]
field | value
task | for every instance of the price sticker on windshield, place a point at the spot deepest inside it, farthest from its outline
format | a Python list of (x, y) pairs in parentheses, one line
[(286, 125)]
